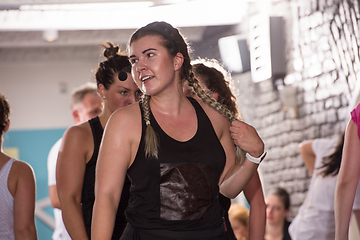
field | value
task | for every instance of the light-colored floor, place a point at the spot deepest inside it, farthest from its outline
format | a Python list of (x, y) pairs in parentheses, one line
[(353, 230)]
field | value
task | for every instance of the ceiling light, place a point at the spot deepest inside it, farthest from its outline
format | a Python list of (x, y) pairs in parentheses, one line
[(120, 15), (50, 35)]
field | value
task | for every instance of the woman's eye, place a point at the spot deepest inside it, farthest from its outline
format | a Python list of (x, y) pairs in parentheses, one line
[(139, 93), (150, 54), (133, 61), (192, 93), (123, 92)]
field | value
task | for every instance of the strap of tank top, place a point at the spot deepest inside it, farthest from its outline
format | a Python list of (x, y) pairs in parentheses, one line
[(5, 170), (96, 129), (97, 132)]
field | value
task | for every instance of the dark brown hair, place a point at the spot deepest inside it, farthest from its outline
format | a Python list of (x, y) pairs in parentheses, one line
[(115, 62), (217, 81), (283, 195), (331, 164), (4, 114), (175, 43)]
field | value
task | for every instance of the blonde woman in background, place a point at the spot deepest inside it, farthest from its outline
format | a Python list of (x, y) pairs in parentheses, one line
[(239, 219)]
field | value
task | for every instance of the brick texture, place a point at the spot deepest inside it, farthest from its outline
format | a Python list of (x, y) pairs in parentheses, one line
[(322, 54)]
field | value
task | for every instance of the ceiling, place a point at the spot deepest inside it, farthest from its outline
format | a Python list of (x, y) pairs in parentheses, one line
[(24, 30)]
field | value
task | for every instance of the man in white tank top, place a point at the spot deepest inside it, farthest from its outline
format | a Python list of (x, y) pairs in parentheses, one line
[(86, 103)]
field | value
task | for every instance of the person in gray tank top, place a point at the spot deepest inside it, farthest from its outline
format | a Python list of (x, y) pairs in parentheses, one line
[(17, 190)]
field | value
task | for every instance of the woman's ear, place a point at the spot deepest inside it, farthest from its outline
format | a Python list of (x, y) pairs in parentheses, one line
[(7, 126), (178, 61), (215, 95), (102, 89)]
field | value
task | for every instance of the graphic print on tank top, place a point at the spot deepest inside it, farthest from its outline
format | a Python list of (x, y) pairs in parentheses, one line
[(180, 199), (179, 190)]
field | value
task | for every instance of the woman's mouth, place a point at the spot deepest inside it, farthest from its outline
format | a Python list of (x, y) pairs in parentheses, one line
[(146, 78)]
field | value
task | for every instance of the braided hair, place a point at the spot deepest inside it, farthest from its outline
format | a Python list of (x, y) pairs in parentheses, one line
[(175, 43), (217, 80)]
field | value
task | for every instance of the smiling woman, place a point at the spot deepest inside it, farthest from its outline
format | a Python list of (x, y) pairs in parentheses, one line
[(177, 151)]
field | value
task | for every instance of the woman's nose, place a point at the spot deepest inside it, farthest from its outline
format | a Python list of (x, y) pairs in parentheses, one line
[(140, 65)]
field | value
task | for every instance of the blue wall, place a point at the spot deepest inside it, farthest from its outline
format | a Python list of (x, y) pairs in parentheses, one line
[(33, 147)]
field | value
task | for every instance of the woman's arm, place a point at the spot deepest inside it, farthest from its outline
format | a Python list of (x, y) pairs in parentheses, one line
[(236, 176), (24, 202), (54, 198), (117, 151), (257, 218), (308, 155), (70, 170), (347, 181)]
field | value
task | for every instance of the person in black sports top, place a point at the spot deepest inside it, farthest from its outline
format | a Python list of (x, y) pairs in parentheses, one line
[(218, 83), (79, 149), (177, 151)]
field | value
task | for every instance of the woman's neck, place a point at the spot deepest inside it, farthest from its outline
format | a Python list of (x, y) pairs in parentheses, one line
[(274, 231), (172, 105), (104, 116), (3, 158)]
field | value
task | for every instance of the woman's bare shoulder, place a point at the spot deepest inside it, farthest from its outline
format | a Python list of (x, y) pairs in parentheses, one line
[(123, 128), (21, 170), (128, 115), (81, 131), (22, 166)]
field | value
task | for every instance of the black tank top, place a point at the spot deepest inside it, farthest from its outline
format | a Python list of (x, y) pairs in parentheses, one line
[(178, 191), (225, 204), (88, 194)]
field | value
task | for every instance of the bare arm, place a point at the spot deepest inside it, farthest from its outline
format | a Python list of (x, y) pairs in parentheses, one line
[(111, 170), (70, 170), (24, 203), (239, 175), (54, 198), (308, 155), (347, 181), (257, 218)]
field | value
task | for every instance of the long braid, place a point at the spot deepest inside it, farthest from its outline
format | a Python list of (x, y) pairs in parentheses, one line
[(240, 154), (175, 43), (151, 140)]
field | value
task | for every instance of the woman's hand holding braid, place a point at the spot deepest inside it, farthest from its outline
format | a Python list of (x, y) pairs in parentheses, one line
[(246, 137)]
